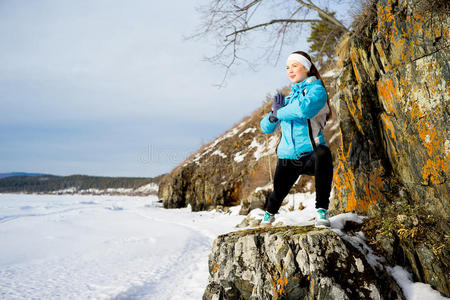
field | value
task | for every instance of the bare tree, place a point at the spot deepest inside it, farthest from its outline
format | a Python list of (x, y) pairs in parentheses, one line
[(230, 22)]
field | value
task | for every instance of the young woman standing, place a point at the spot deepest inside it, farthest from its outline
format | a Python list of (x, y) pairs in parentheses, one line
[(302, 149)]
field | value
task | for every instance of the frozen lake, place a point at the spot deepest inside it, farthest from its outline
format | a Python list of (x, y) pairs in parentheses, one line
[(122, 247), (84, 247)]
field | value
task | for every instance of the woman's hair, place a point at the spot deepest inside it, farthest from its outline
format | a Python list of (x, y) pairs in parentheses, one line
[(314, 72)]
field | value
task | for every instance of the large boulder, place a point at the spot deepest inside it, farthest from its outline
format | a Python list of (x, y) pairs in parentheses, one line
[(293, 263)]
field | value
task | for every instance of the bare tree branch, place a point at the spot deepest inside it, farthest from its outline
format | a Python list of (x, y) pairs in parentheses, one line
[(249, 5), (229, 23), (270, 23)]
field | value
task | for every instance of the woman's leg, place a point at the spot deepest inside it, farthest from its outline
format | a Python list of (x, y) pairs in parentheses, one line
[(286, 174), (320, 165)]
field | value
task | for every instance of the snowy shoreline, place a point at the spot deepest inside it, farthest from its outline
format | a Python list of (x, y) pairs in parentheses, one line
[(145, 190)]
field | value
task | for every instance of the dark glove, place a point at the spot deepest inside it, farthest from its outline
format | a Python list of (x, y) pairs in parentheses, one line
[(278, 102)]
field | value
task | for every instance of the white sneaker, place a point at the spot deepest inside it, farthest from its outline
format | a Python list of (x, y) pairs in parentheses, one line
[(322, 219), (268, 219)]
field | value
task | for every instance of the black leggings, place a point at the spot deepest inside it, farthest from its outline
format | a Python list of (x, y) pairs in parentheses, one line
[(318, 164)]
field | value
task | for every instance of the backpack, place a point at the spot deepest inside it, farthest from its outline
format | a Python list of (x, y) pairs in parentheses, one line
[(317, 123)]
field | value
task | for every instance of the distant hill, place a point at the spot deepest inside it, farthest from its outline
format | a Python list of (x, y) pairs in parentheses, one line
[(3, 175), (78, 184)]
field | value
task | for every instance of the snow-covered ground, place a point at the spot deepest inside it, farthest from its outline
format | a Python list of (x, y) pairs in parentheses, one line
[(121, 247)]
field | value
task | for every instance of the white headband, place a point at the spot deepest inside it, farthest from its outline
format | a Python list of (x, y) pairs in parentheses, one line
[(301, 59)]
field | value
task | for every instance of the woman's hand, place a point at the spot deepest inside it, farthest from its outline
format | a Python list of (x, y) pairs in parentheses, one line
[(278, 102)]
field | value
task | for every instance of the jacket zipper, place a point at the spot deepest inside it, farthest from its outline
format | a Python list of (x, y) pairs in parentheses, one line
[(292, 136)]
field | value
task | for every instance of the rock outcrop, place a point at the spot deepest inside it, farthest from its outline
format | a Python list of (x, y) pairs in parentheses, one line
[(293, 263), (392, 98)]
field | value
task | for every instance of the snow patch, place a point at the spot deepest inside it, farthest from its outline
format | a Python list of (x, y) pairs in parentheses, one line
[(413, 290), (259, 148), (151, 187), (145, 189), (238, 157), (263, 149), (264, 188), (208, 149), (273, 141), (331, 73), (220, 153), (338, 221), (251, 129)]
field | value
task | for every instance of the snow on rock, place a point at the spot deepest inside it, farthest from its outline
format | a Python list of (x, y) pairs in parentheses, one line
[(263, 149), (151, 187), (251, 129), (264, 188), (331, 73), (413, 290), (228, 134), (260, 149), (238, 157), (339, 221), (220, 153), (359, 242), (210, 148)]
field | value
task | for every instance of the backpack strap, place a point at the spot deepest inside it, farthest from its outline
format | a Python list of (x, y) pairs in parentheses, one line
[(309, 127), (311, 135)]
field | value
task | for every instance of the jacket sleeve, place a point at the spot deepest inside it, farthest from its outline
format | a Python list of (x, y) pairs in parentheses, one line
[(267, 126), (311, 104)]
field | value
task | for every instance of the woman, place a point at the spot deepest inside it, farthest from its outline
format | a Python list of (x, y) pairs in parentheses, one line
[(302, 149)]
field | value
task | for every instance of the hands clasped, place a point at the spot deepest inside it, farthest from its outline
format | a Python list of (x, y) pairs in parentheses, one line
[(278, 102)]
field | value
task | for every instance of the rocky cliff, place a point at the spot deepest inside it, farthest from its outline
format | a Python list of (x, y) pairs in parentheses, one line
[(392, 100)]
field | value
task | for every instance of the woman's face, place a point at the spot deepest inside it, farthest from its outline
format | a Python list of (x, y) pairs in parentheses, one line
[(296, 71)]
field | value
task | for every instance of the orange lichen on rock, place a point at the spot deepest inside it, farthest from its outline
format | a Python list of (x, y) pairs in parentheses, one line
[(344, 180), (354, 59), (417, 23), (416, 113), (388, 93), (215, 268), (389, 128), (385, 15), (431, 170), (437, 163), (355, 112), (279, 283), (373, 188)]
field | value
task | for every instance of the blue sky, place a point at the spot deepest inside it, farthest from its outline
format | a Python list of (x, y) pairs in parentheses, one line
[(112, 88)]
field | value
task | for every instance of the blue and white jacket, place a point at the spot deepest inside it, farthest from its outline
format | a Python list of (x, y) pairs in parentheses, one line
[(307, 100)]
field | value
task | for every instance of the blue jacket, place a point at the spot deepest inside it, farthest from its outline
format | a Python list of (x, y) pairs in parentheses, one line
[(307, 100)]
